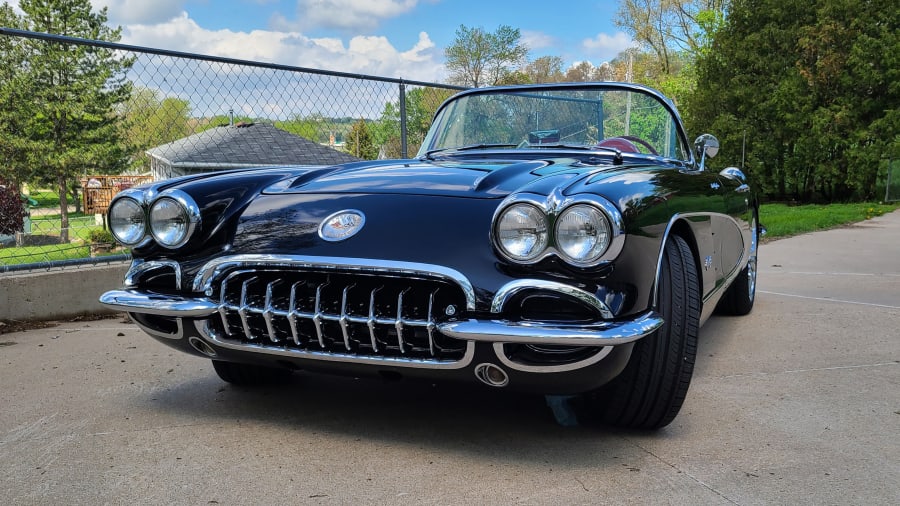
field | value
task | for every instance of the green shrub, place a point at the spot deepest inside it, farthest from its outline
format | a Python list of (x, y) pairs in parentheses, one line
[(101, 236)]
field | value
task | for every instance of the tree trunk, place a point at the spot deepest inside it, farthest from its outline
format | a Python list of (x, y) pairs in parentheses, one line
[(63, 208)]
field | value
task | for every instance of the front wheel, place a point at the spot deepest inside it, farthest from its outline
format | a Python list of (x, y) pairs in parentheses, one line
[(249, 374), (651, 389)]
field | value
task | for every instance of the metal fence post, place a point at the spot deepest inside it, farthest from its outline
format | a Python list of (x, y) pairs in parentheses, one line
[(403, 148)]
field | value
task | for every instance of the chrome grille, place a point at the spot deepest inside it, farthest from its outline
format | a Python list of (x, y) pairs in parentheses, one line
[(357, 313)]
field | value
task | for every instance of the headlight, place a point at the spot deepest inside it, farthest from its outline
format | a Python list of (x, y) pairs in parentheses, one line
[(583, 234), (173, 218), (521, 232), (127, 221)]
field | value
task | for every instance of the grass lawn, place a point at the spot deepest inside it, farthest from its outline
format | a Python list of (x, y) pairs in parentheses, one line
[(784, 221)]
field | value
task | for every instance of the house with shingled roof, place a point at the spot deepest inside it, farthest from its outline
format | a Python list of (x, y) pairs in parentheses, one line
[(239, 146)]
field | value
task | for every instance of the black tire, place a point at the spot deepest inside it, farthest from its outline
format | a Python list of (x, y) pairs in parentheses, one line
[(650, 391), (249, 374), (738, 299)]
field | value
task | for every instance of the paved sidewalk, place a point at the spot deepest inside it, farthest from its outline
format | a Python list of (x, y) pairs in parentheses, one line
[(797, 403)]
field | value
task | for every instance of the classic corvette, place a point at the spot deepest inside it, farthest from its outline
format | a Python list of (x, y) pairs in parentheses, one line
[(561, 239)]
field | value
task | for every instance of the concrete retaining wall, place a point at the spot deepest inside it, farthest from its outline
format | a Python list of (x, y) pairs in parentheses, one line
[(58, 294)]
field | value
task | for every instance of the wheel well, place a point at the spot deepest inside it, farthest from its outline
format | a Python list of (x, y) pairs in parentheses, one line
[(682, 229)]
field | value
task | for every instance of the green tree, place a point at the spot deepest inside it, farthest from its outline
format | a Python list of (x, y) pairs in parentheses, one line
[(75, 90), (478, 58), (669, 27), (546, 69), (812, 87), (15, 105), (359, 142), (151, 121), (421, 104)]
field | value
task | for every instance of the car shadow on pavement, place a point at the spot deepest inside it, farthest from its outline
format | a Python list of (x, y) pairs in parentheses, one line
[(456, 418)]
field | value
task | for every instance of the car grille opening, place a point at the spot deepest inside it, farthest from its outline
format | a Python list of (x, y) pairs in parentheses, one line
[(361, 314)]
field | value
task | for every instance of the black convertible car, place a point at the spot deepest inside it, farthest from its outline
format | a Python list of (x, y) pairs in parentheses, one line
[(561, 239)]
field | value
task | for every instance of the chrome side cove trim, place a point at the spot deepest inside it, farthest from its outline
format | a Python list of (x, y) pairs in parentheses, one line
[(210, 271), (130, 301), (206, 331), (662, 247), (510, 289), (501, 356), (594, 334), (140, 267)]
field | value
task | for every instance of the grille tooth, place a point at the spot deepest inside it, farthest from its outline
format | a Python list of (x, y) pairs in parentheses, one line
[(292, 310), (244, 309), (317, 316), (399, 323), (344, 321), (334, 312), (268, 312)]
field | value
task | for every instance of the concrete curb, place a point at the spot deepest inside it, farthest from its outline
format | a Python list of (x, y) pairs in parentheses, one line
[(58, 294)]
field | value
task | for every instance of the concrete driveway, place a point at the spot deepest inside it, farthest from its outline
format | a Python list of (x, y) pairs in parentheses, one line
[(798, 403)]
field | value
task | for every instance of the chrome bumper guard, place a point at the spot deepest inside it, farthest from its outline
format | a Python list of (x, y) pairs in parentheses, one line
[(594, 334), (603, 333)]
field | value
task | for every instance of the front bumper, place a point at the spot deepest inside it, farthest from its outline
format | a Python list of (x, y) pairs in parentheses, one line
[(363, 317), (605, 333)]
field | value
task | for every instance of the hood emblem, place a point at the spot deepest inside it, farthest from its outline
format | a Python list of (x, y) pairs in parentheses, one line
[(342, 225)]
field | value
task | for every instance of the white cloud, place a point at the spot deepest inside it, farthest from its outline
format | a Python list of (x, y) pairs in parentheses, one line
[(373, 55), (537, 40), (347, 15), (606, 47), (123, 12)]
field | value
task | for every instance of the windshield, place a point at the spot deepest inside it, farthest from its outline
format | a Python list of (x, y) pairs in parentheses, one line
[(589, 117)]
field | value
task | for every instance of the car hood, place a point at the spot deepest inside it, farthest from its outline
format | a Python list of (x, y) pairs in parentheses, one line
[(472, 179)]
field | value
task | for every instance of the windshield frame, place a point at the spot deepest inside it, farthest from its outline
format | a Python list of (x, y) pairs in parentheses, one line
[(429, 148)]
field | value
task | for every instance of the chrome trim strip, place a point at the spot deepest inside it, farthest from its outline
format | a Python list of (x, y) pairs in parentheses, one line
[(203, 328), (512, 288), (501, 356), (130, 301), (140, 267), (210, 271), (595, 334)]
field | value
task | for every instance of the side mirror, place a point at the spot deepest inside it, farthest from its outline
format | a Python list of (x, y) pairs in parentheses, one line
[(706, 146)]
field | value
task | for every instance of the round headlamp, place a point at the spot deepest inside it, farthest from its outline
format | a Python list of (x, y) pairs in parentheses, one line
[(173, 219), (521, 232), (127, 221), (583, 233)]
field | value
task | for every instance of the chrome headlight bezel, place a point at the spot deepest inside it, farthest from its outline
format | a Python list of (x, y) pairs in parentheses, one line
[(595, 219), (138, 215), (553, 207), (541, 230), (188, 218)]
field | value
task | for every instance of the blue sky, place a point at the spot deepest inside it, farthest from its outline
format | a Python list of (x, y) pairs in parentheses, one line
[(393, 38)]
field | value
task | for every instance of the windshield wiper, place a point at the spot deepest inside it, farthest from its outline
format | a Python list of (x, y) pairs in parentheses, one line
[(468, 147)]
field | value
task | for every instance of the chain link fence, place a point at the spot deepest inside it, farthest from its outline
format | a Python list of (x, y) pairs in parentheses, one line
[(179, 114)]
